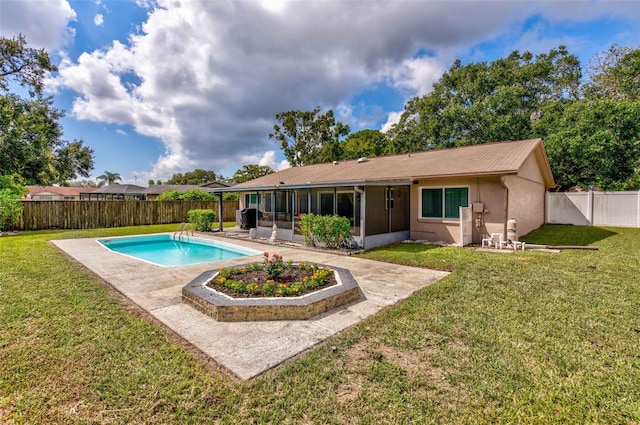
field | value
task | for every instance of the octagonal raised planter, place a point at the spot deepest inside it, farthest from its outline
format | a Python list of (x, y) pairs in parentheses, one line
[(225, 308)]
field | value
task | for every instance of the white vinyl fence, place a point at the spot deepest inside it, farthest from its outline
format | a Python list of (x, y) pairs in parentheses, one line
[(593, 208)]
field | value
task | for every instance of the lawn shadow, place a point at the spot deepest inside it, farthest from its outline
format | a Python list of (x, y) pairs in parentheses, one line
[(560, 234)]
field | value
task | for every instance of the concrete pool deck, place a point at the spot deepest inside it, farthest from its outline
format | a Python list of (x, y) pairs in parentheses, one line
[(247, 349)]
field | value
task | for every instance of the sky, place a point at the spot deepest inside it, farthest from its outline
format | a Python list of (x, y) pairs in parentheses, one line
[(158, 87)]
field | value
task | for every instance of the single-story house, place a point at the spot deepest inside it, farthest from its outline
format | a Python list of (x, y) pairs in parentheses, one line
[(56, 193), (410, 196), (155, 190), (116, 192)]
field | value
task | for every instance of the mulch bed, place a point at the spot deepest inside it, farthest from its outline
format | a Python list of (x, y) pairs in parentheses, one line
[(289, 277)]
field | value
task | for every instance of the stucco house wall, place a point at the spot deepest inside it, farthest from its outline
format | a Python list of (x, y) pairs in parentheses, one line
[(487, 190), (526, 194)]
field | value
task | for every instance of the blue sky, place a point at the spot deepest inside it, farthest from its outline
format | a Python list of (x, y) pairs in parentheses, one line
[(157, 87)]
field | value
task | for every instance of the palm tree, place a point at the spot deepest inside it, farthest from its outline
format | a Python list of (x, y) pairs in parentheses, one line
[(108, 178)]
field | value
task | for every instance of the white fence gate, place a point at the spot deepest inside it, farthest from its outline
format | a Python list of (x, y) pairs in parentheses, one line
[(593, 208), (466, 226)]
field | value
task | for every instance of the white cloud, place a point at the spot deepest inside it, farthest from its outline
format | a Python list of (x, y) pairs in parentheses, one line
[(417, 75), (121, 132), (43, 23), (394, 118), (209, 76), (98, 20)]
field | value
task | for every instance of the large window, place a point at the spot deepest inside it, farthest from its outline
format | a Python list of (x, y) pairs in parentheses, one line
[(443, 202)]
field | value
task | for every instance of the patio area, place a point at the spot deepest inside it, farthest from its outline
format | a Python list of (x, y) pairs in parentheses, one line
[(247, 349)]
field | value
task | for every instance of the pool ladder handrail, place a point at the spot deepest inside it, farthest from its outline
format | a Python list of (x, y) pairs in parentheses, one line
[(183, 229)]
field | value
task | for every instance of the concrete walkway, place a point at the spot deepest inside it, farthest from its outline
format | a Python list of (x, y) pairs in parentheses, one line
[(247, 349)]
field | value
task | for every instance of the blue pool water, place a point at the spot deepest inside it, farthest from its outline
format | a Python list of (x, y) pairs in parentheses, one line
[(163, 250)]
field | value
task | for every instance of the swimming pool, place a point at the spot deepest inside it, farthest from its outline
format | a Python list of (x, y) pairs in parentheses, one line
[(163, 250)]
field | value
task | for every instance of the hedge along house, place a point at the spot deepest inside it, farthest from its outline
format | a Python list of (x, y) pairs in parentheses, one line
[(410, 196)]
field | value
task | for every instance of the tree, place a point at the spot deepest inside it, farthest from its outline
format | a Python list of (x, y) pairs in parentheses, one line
[(83, 183), (486, 102), (10, 209), (309, 138), (31, 143), (24, 65), (196, 177), (593, 143), (615, 75), (151, 182), (14, 184), (108, 178), (250, 172), (364, 143)]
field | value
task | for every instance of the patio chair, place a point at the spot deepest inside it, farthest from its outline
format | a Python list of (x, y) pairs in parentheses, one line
[(494, 240)]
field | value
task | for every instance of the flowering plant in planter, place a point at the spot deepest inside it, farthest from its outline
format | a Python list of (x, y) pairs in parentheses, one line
[(274, 265), (273, 277)]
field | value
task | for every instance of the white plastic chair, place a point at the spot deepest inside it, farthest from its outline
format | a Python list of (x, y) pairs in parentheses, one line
[(495, 240)]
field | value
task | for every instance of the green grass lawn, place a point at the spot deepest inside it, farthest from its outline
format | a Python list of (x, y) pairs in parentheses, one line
[(530, 337)]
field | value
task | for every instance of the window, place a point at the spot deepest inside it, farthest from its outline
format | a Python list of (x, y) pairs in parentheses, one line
[(326, 203), (443, 202), (250, 200), (388, 204)]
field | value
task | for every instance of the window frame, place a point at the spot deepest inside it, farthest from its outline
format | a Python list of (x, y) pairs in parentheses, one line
[(443, 201)]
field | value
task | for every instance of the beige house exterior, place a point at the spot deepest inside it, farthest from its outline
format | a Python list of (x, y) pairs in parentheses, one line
[(411, 196)]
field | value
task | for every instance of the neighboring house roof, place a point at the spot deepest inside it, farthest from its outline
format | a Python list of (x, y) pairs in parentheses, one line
[(491, 159), (157, 189), (120, 189), (58, 190), (215, 184)]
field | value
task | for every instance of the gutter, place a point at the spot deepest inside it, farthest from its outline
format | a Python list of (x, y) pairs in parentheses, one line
[(506, 204)]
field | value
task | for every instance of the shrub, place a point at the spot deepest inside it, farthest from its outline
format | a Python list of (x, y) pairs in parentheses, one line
[(189, 195), (330, 230), (10, 209), (197, 195), (201, 219), (306, 228), (169, 195)]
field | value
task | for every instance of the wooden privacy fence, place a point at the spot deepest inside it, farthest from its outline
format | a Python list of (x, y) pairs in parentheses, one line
[(38, 215)]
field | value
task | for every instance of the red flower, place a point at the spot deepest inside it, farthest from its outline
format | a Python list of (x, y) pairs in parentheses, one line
[(271, 260), (266, 254), (278, 256)]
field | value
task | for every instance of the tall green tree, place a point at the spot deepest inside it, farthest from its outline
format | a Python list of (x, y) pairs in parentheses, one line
[(197, 177), (486, 102), (250, 172), (24, 65), (108, 178), (363, 143), (31, 143), (595, 141), (308, 137), (592, 143), (614, 74)]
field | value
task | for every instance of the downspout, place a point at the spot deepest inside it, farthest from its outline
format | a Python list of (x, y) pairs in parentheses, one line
[(506, 204), (388, 202), (363, 210)]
